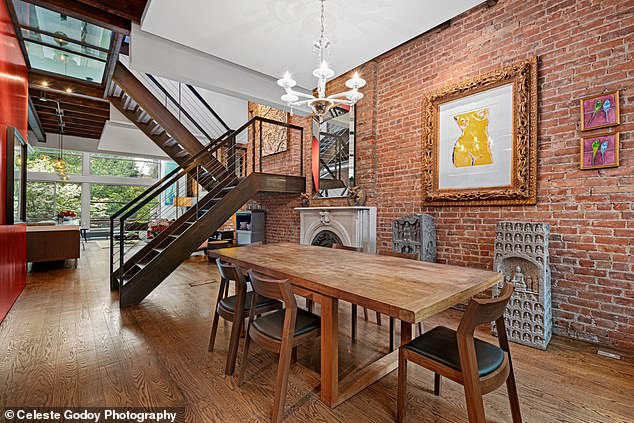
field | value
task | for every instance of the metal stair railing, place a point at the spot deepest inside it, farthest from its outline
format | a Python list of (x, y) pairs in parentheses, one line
[(223, 157)]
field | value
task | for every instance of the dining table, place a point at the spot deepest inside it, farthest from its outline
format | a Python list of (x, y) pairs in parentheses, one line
[(408, 290)]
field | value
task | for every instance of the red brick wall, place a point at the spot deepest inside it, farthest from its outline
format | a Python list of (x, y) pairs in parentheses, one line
[(584, 47)]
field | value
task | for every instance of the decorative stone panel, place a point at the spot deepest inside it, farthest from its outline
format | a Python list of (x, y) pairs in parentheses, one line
[(415, 233), (521, 254)]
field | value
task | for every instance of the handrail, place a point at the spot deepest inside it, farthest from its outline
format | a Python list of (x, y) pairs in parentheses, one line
[(169, 175), (184, 171), (205, 168), (179, 106), (204, 102)]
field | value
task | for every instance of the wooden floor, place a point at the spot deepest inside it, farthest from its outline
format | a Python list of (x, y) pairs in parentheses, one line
[(66, 343)]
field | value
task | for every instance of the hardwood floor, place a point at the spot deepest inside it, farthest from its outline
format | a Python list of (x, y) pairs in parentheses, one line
[(66, 343)]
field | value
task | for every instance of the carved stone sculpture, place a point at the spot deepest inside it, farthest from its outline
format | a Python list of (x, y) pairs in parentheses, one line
[(524, 263), (415, 233)]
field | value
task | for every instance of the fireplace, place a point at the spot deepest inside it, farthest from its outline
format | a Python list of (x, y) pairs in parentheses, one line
[(351, 226)]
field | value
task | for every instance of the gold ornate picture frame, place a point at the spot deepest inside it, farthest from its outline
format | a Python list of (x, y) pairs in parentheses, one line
[(480, 139)]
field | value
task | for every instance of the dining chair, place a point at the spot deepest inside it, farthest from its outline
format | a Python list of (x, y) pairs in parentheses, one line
[(234, 308), (410, 256), (280, 331), (354, 306), (479, 366)]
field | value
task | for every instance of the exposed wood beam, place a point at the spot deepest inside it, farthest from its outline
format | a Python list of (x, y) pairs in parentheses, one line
[(61, 82), (128, 9), (82, 134), (63, 96), (48, 107), (70, 120), (88, 13)]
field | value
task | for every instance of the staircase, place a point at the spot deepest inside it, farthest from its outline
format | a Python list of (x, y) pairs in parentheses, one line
[(215, 178), (140, 106)]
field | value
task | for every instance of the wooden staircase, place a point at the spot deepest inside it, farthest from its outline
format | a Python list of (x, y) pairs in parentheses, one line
[(138, 270), (156, 260)]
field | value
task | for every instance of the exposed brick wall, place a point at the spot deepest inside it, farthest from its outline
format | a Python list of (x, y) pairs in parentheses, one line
[(584, 48)]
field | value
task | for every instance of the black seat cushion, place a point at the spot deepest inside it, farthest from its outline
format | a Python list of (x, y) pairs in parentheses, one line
[(229, 303), (272, 324), (440, 344)]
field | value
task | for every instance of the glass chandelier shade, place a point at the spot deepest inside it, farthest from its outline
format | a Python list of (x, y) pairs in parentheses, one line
[(321, 104)]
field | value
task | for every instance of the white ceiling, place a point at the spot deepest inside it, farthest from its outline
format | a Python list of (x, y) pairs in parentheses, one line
[(273, 36)]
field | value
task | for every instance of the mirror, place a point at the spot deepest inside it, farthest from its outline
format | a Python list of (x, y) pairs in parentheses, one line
[(333, 154)]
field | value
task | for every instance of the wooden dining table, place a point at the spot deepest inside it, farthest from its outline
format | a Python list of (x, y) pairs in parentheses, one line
[(408, 290)]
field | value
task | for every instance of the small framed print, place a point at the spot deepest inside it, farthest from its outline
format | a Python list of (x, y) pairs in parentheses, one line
[(600, 111), (599, 151)]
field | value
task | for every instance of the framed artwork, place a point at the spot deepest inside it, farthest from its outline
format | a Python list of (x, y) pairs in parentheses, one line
[(480, 139), (274, 138), (599, 151), (600, 111), (16, 154)]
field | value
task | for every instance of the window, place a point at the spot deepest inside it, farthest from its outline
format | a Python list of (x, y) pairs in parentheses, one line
[(105, 200), (40, 201), (110, 165), (107, 183), (41, 160), (61, 44), (44, 200)]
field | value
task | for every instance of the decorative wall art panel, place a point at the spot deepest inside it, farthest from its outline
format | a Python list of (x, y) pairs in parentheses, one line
[(521, 255), (480, 139), (274, 138), (600, 111), (599, 151)]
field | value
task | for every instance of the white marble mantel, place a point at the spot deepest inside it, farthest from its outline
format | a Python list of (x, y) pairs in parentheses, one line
[(355, 226)]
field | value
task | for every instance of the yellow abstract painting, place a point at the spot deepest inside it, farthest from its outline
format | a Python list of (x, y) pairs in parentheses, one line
[(473, 146)]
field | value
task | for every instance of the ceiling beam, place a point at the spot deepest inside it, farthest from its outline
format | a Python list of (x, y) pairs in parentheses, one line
[(48, 107), (69, 119), (88, 13), (42, 80), (128, 9)]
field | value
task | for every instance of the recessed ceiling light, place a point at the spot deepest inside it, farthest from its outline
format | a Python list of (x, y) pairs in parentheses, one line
[(69, 90), (45, 83)]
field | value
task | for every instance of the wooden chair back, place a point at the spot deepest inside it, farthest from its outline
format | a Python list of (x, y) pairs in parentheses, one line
[(278, 289), (480, 311), (345, 247), (229, 271), (411, 256)]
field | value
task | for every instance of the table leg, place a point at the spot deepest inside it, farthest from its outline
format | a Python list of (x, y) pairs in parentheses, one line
[(406, 332), (329, 350)]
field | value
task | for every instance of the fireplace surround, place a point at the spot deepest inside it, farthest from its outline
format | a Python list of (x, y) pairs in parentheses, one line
[(351, 226)]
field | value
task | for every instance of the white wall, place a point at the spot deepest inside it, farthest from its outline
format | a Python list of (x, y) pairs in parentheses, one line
[(159, 56)]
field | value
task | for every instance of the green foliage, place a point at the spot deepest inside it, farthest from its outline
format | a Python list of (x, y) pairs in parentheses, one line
[(41, 160), (43, 203), (108, 165)]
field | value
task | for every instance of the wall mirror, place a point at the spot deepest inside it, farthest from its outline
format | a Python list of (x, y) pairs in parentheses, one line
[(16, 150), (334, 152)]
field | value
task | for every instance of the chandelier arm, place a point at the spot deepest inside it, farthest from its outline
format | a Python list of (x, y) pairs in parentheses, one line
[(301, 103), (299, 94), (339, 95), (341, 101)]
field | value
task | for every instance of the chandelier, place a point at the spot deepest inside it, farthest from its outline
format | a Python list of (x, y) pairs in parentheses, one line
[(321, 104)]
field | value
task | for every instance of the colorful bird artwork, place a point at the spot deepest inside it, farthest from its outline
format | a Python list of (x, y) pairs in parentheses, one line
[(595, 148), (604, 148), (597, 108), (606, 109)]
